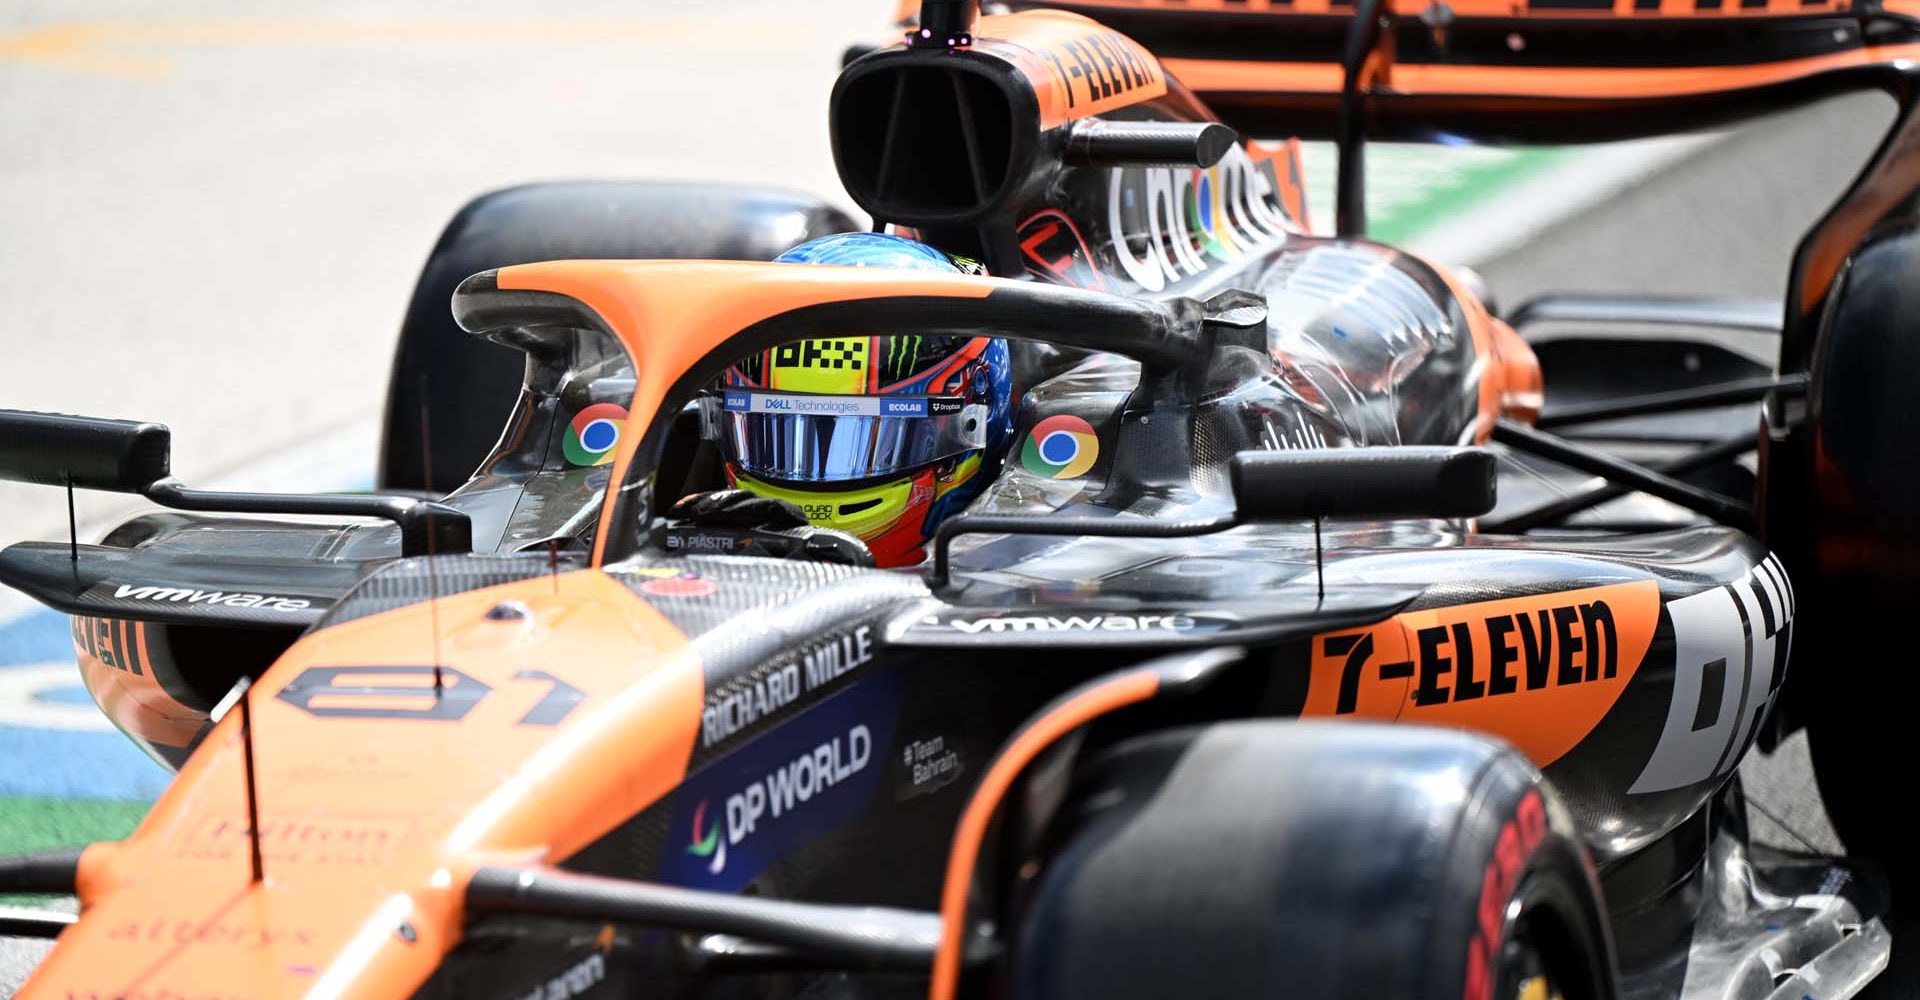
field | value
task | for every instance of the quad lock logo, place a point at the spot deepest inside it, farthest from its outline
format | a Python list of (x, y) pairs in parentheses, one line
[(1537, 671)]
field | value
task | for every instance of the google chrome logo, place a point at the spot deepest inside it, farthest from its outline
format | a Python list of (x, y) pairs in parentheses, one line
[(592, 434), (1060, 447)]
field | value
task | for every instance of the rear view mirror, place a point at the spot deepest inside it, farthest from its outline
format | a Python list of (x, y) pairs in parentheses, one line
[(1363, 482), (127, 456), (91, 453)]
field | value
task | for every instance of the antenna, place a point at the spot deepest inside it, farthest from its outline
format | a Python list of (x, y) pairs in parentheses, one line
[(73, 527), (946, 24), (239, 695), (1319, 563), (433, 572), (1364, 37)]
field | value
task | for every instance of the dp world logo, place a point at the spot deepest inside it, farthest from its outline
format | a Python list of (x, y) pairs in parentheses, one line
[(713, 845)]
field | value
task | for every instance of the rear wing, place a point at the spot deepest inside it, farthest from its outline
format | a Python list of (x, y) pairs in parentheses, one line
[(1550, 71), (1518, 70)]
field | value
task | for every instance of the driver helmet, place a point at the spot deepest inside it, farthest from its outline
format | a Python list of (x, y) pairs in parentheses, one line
[(880, 437)]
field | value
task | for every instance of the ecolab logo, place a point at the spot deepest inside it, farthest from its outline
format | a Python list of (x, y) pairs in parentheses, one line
[(782, 791), (178, 595)]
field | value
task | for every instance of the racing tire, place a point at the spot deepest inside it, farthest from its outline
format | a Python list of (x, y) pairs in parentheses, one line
[(1288, 859), (1842, 493), (1848, 747), (467, 386)]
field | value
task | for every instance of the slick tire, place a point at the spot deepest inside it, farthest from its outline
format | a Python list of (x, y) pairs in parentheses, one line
[(467, 386), (1288, 859), (1850, 746)]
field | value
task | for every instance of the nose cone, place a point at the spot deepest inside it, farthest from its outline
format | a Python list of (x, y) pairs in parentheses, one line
[(252, 941), (378, 791)]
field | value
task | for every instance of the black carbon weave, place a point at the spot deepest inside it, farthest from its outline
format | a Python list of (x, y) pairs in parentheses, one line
[(1450, 593), (765, 616), (744, 584), (408, 581)]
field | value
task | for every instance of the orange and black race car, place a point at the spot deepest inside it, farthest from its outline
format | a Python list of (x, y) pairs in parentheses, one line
[(1332, 634)]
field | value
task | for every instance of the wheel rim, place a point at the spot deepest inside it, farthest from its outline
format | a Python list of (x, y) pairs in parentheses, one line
[(1542, 959)]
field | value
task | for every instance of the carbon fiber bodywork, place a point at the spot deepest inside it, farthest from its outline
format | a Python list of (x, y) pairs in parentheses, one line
[(847, 711), (1168, 319)]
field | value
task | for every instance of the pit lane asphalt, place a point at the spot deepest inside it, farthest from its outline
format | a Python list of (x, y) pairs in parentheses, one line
[(1722, 222), (212, 213), (219, 218), (1725, 221)]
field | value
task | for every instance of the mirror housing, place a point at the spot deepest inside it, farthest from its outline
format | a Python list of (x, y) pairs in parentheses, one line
[(92, 453), (1413, 481), (127, 456)]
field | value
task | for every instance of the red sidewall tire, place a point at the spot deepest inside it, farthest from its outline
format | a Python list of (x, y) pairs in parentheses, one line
[(1291, 859)]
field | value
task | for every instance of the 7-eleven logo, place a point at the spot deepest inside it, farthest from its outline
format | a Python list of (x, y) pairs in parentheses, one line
[(713, 845)]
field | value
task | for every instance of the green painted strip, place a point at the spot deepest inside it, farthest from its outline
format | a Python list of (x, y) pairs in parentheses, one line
[(1461, 194), (32, 824), (1414, 188)]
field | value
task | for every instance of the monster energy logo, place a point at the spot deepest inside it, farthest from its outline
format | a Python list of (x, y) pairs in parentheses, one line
[(902, 352)]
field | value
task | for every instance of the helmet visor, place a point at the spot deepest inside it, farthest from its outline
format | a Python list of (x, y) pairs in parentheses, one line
[(807, 437)]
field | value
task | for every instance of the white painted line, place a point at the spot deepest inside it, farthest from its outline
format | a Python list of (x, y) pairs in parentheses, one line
[(19, 707), (1401, 175)]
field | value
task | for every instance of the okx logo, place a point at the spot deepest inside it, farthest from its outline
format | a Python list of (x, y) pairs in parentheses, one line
[(710, 845)]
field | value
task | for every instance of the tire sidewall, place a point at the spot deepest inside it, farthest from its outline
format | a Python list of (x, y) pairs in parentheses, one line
[(1363, 861)]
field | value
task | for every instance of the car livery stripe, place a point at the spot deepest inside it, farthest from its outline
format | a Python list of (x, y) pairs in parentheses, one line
[(1506, 369), (1073, 710), (1539, 671)]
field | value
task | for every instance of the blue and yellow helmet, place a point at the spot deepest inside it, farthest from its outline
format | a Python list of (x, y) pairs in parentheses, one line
[(882, 437)]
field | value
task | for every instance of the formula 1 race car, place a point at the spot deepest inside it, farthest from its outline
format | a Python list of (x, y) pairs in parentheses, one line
[(1321, 636)]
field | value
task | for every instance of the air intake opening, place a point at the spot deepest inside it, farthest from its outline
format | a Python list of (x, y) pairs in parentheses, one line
[(920, 143)]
